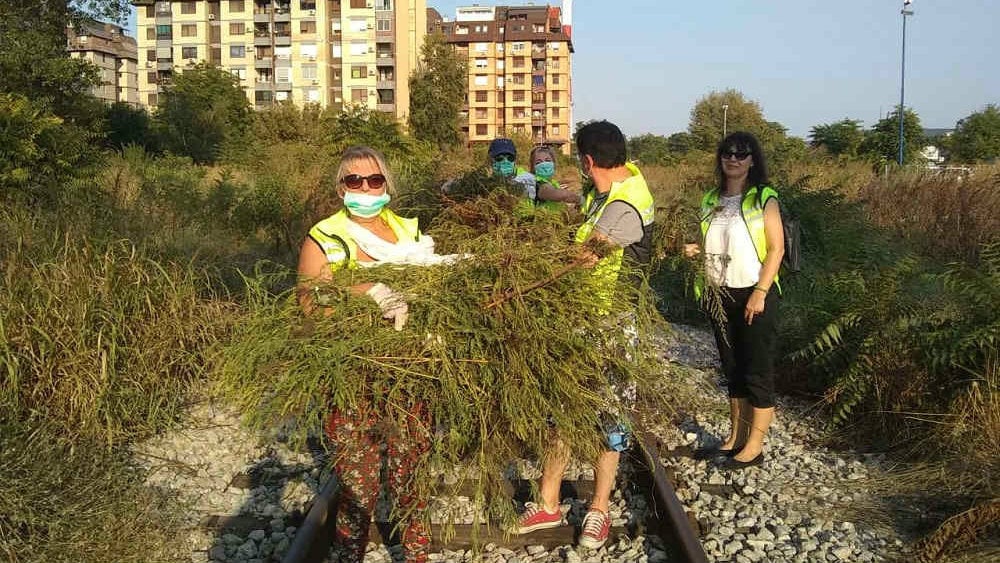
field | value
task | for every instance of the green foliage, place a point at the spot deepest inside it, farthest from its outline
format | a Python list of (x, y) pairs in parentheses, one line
[(977, 136), (201, 111), (841, 138), (881, 142), (495, 343), (40, 155), (128, 125), (437, 92), (34, 61), (649, 149), (706, 126)]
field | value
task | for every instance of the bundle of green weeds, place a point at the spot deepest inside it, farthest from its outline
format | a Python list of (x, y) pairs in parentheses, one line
[(506, 347)]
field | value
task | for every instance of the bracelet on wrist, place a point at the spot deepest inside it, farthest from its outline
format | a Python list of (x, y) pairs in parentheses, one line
[(759, 288)]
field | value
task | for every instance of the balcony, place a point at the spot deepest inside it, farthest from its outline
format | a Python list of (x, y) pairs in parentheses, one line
[(263, 84), (263, 62), (387, 108), (261, 39), (385, 84)]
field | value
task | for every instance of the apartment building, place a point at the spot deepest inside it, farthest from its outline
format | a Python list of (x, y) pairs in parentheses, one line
[(330, 52), (114, 54), (520, 71)]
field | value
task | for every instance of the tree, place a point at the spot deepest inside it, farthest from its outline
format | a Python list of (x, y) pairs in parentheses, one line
[(841, 138), (882, 141), (977, 136), (649, 149), (437, 92), (740, 114), (202, 110), (127, 125), (680, 143)]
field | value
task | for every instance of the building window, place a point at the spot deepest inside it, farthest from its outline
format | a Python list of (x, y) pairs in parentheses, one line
[(189, 52), (151, 78), (480, 80), (555, 112), (481, 96), (189, 7), (461, 30), (237, 28), (359, 48), (516, 47), (151, 99), (151, 11), (358, 72), (164, 32), (383, 4), (518, 95), (308, 50), (359, 95), (236, 6), (538, 81), (311, 95), (481, 63), (383, 24), (309, 72), (482, 47), (336, 51), (386, 97), (482, 29), (336, 74), (518, 62), (357, 25), (151, 32), (283, 74), (150, 54), (358, 3), (554, 63), (189, 30), (307, 27), (237, 51), (240, 73), (555, 96), (481, 129), (482, 113), (555, 79), (553, 46), (555, 129)]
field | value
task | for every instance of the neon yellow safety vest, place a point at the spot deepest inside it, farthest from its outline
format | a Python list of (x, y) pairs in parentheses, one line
[(752, 211), (543, 204), (334, 239), (635, 193)]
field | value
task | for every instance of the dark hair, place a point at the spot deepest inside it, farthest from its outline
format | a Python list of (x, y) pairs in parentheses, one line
[(742, 141), (604, 142)]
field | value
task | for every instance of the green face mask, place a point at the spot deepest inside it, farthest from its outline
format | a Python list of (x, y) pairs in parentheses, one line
[(545, 169), (503, 168), (365, 205)]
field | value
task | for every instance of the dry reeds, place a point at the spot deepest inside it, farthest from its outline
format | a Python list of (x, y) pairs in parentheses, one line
[(947, 216)]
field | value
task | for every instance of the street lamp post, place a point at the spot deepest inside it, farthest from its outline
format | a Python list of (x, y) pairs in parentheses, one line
[(725, 116), (902, 81)]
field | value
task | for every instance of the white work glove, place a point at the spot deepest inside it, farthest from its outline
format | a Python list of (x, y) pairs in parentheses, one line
[(391, 303)]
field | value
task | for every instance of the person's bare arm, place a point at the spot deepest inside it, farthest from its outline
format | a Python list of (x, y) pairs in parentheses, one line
[(314, 271)]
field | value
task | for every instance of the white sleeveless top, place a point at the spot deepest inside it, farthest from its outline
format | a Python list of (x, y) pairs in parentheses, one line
[(730, 257)]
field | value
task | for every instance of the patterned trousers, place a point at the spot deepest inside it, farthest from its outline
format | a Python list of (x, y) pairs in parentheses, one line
[(357, 435)]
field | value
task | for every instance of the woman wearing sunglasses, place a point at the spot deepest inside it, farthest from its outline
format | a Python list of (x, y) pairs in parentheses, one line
[(366, 233), (743, 245), (543, 166)]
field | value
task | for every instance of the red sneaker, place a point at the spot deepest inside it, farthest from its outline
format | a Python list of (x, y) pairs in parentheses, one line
[(535, 517), (596, 526)]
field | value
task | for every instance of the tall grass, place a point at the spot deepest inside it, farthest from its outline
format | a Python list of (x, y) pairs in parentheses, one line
[(946, 216), (99, 341)]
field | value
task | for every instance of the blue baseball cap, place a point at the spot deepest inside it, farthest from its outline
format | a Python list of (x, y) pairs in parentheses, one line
[(502, 146)]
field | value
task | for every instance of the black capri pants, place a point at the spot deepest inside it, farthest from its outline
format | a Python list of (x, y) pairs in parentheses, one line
[(747, 351)]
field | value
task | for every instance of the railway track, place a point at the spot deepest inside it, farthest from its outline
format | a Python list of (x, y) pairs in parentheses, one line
[(665, 518)]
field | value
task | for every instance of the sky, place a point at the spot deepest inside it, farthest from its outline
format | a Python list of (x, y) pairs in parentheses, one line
[(643, 64)]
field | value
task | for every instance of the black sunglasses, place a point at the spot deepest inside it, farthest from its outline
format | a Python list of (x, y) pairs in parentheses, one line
[(739, 155), (503, 157), (354, 181)]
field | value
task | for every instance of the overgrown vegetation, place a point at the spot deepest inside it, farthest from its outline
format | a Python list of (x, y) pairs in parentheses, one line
[(127, 267)]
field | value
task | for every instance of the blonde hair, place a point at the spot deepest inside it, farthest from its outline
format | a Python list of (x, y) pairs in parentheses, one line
[(540, 148), (358, 152)]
